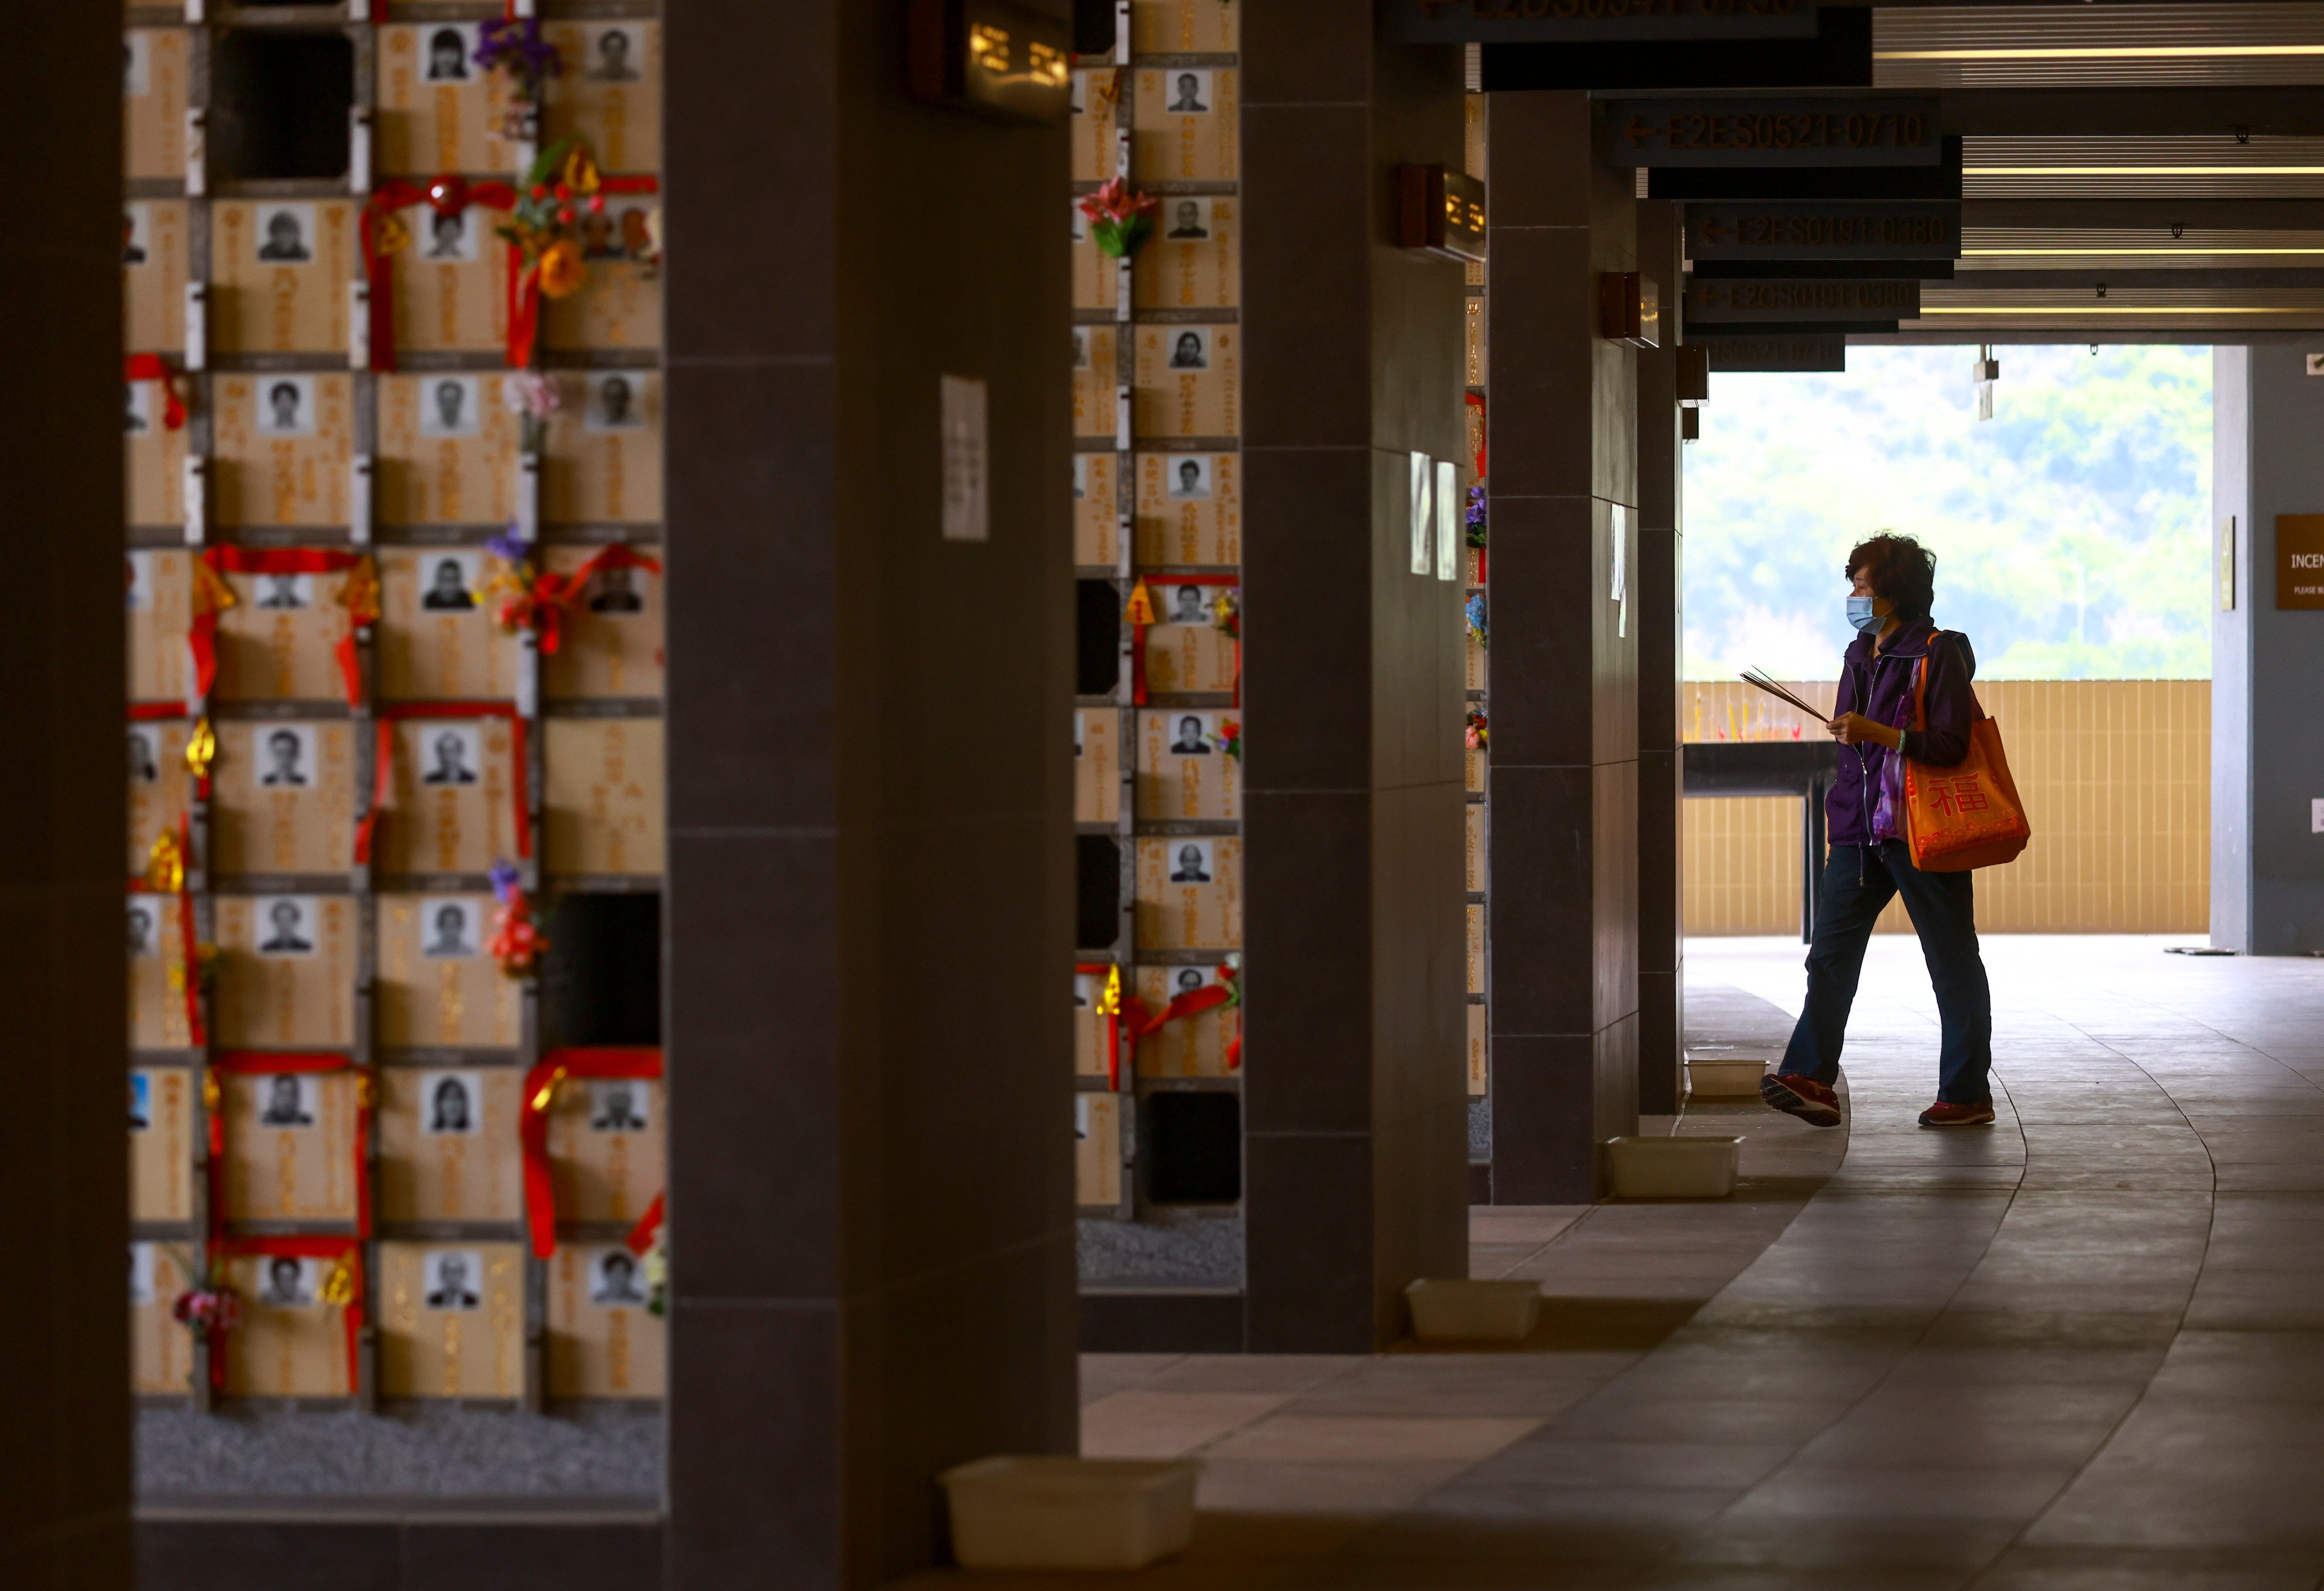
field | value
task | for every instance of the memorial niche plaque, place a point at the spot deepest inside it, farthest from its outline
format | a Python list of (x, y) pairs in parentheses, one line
[(603, 456), (160, 599), (620, 304), (279, 640), (612, 643), (438, 110), (1097, 513), (1730, 301), (153, 102), (1192, 260), (1184, 771), (279, 276), (162, 1144), (1781, 131), (436, 636), (437, 987), (451, 806), (1190, 1046), (153, 275), (1183, 27), (1188, 381), (605, 1154), (1478, 1071), (283, 797), (448, 1144), (1097, 765), (1096, 281), (450, 281), (1094, 96), (290, 1146), (1097, 1150), (161, 1349), (1185, 649), (1095, 411), (1189, 893), (158, 787), (451, 1319), (1189, 509), (285, 971), (1185, 124), (288, 1343), (610, 91), (604, 798), (603, 1341), (1089, 1025), (153, 458), (447, 450), (1779, 230), (157, 1011), (283, 443)]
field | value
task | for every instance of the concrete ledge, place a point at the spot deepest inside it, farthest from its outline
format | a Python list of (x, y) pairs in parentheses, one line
[(345, 1546), (1162, 1320)]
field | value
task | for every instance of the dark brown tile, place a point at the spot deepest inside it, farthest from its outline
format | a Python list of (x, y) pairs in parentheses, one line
[(283, 1555), (1418, 669), (1542, 160), (1308, 1212), (581, 1555), (1662, 1060), (1547, 593), (1660, 924), (1544, 920), (1614, 890), (754, 243), (1307, 569), (1614, 1066), (754, 709), (1307, 929), (755, 1429), (1305, 51), (754, 1040), (1543, 1118), (1545, 346), (1311, 186)]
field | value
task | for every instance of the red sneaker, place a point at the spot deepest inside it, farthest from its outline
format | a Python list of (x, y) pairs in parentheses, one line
[(1804, 1097), (1941, 1114)]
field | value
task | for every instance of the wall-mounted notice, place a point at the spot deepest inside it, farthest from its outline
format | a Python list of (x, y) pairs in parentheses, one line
[(966, 495), (2299, 560)]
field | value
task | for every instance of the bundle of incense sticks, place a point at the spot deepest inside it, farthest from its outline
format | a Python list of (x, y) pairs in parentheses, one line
[(1758, 677)]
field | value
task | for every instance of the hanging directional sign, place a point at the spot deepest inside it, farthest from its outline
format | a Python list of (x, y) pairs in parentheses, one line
[(1781, 230), (1868, 130), (1727, 301), (1777, 353), (1592, 21)]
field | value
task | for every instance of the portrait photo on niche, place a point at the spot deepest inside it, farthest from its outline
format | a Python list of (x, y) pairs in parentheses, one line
[(455, 753), (616, 1278), (617, 1107), (287, 1099), (286, 233), (1190, 862), (447, 929), (286, 405), (452, 1279), (447, 1103), (282, 755), (286, 925)]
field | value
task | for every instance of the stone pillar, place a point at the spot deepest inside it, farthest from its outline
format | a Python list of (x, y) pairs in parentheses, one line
[(2267, 663), (1658, 608), (1565, 637), (64, 1460), (869, 913), (1356, 1174)]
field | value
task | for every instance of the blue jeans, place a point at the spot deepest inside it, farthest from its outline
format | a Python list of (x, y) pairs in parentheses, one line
[(1859, 881)]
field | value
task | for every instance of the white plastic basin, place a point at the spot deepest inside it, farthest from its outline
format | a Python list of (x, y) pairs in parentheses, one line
[(1069, 1514), (1724, 1077), (1465, 1311), (1672, 1168)]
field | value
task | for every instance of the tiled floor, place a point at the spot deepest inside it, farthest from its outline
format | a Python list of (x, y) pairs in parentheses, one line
[(2080, 1351)]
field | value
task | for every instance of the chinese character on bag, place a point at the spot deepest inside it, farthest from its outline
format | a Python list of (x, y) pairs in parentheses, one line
[(1956, 796)]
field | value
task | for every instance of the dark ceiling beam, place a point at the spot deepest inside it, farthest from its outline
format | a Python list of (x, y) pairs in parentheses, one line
[(2256, 280), (2133, 112), (2027, 336), (2256, 215)]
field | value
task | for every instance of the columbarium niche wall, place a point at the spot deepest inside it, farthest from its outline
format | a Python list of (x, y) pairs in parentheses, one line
[(394, 750)]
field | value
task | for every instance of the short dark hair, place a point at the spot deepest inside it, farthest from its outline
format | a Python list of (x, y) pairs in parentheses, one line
[(1900, 570)]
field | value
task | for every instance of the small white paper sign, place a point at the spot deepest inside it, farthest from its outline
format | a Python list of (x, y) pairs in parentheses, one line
[(966, 501)]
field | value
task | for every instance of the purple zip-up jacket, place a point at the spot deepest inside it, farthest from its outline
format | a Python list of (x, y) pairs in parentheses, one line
[(1881, 689)]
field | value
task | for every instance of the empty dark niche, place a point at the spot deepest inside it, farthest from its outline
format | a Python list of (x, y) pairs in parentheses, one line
[(278, 106), (1097, 890), (1097, 637), (601, 981), (1191, 1145)]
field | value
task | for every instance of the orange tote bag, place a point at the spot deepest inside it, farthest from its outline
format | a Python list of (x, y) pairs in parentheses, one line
[(1964, 816)]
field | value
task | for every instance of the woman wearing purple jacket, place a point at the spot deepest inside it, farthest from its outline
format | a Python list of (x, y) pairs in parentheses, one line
[(1894, 583)]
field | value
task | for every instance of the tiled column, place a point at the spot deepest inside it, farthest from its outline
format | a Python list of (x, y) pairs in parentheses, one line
[(1564, 656), (1657, 607), (1356, 1169), (64, 1456), (869, 911)]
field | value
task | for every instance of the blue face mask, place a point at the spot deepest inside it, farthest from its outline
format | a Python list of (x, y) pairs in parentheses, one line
[(1860, 614)]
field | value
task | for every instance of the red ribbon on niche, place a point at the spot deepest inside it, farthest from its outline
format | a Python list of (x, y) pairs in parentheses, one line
[(153, 367), (347, 1251), (448, 194), (1141, 1020), (554, 595), (533, 1131), (1139, 613), (383, 763), (201, 635)]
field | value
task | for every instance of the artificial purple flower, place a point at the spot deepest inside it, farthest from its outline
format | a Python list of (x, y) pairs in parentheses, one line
[(508, 547), (517, 45), (505, 882)]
